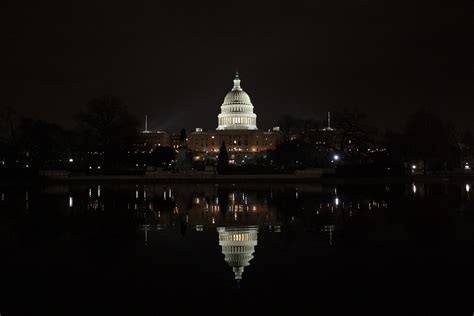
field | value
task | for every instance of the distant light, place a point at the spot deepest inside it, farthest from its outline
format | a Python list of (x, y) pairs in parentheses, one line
[(413, 166), (467, 167), (90, 167), (414, 188), (27, 166), (336, 157), (336, 201), (468, 188), (70, 201), (71, 160), (98, 167)]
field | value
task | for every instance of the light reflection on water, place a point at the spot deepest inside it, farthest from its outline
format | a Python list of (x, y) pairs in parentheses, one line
[(211, 206), (237, 230)]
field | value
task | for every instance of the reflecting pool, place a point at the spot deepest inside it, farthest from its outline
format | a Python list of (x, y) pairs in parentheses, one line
[(225, 249)]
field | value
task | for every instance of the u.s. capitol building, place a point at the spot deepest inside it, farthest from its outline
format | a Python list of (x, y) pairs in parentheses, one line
[(236, 128)]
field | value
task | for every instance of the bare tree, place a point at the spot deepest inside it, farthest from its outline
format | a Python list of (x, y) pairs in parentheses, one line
[(107, 125)]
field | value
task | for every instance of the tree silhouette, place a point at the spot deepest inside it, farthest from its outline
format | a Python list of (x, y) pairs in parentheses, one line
[(352, 130), (107, 126), (183, 137), (223, 158), (428, 138)]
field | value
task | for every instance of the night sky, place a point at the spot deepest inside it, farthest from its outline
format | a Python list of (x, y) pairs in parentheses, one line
[(175, 60)]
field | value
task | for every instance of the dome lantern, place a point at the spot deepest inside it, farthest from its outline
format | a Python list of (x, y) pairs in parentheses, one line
[(236, 82)]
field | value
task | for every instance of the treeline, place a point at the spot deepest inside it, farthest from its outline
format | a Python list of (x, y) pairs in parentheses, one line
[(426, 142), (103, 136)]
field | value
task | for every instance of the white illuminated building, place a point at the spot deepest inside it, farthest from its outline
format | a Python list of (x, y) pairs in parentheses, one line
[(238, 245), (237, 110)]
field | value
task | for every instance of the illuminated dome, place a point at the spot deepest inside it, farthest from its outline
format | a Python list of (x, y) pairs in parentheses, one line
[(237, 110), (238, 245), (237, 97)]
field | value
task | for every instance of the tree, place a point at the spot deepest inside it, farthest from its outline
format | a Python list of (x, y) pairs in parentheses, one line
[(44, 144), (183, 137), (351, 129), (162, 156), (467, 144), (428, 138), (107, 126), (289, 124), (8, 124), (223, 158)]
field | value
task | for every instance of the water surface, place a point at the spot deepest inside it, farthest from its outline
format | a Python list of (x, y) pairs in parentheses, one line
[(214, 249)]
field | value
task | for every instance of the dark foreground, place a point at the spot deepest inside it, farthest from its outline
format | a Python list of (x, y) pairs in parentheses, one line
[(149, 249)]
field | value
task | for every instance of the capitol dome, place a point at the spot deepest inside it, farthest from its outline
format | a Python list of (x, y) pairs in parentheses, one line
[(238, 245), (237, 97), (237, 110)]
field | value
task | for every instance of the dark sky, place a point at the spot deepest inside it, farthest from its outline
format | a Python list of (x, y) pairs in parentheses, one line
[(175, 60)]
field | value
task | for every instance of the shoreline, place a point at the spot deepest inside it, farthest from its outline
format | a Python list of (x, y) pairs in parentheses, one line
[(263, 179)]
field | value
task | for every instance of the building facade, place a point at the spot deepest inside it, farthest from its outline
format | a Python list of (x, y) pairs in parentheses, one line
[(236, 128)]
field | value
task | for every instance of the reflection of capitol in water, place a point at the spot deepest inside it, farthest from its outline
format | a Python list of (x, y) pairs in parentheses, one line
[(238, 245)]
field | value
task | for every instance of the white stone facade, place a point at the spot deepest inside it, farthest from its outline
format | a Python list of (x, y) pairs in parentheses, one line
[(237, 110)]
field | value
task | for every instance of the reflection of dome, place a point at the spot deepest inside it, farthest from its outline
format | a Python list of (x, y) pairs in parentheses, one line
[(238, 245), (237, 110)]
